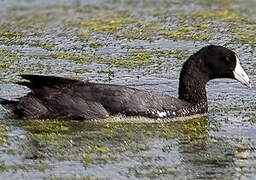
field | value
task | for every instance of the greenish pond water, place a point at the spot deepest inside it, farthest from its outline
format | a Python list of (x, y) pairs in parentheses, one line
[(141, 44)]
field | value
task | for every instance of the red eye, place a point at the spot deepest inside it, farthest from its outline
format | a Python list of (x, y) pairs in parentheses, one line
[(228, 60)]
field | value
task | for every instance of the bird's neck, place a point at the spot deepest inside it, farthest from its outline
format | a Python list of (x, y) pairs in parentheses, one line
[(192, 84)]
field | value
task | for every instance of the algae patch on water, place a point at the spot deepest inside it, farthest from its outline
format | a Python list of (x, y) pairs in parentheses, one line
[(246, 37), (197, 32), (45, 126), (109, 25), (121, 27), (3, 135), (89, 142), (132, 60), (7, 58), (223, 14), (179, 54), (193, 129), (47, 45), (11, 36), (242, 27)]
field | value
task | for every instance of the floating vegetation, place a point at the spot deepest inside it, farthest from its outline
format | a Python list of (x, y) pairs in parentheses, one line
[(2, 167), (31, 20), (134, 59), (175, 53), (189, 130), (87, 159), (46, 126), (72, 57), (223, 14), (253, 119), (198, 32), (95, 45), (112, 38), (3, 139), (179, 54), (47, 45), (245, 37), (3, 135), (10, 36), (141, 30), (7, 58), (106, 25), (41, 168), (4, 66), (125, 28), (4, 128)]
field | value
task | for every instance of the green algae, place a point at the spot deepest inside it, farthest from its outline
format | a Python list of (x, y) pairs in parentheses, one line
[(35, 68), (95, 45), (4, 66), (141, 55), (92, 148), (225, 109), (87, 159), (174, 53), (253, 119), (218, 3), (47, 45), (129, 63), (241, 148), (95, 154), (43, 131), (2, 167), (41, 168), (89, 142), (192, 129), (7, 59), (45, 126), (223, 14), (110, 73), (11, 36), (72, 57), (179, 54), (142, 30), (120, 27), (96, 144), (15, 167), (236, 23), (3, 139), (198, 32), (245, 37), (31, 20), (4, 128), (133, 60), (109, 25)]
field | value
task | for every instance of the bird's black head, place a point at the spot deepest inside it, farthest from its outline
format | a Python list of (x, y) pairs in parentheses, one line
[(220, 62)]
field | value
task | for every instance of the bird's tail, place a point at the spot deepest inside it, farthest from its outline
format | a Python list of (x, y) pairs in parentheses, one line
[(8, 104)]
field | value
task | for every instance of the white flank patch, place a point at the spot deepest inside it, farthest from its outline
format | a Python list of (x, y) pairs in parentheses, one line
[(161, 114)]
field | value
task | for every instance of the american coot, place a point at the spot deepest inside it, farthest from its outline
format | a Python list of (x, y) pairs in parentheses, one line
[(57, 97)]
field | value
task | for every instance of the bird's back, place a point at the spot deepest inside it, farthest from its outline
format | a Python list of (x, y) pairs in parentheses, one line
[(56, 97)]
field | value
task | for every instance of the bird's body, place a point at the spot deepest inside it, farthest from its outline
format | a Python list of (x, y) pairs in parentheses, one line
[(57, 97)]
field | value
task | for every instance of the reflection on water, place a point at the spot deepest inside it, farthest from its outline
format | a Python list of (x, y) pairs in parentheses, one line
[(55, 148)]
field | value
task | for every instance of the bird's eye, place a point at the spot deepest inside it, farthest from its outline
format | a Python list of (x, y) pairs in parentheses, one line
[(230, 59), (227, 60)]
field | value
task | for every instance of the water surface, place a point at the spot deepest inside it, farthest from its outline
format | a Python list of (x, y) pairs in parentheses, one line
[(140, 44)]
